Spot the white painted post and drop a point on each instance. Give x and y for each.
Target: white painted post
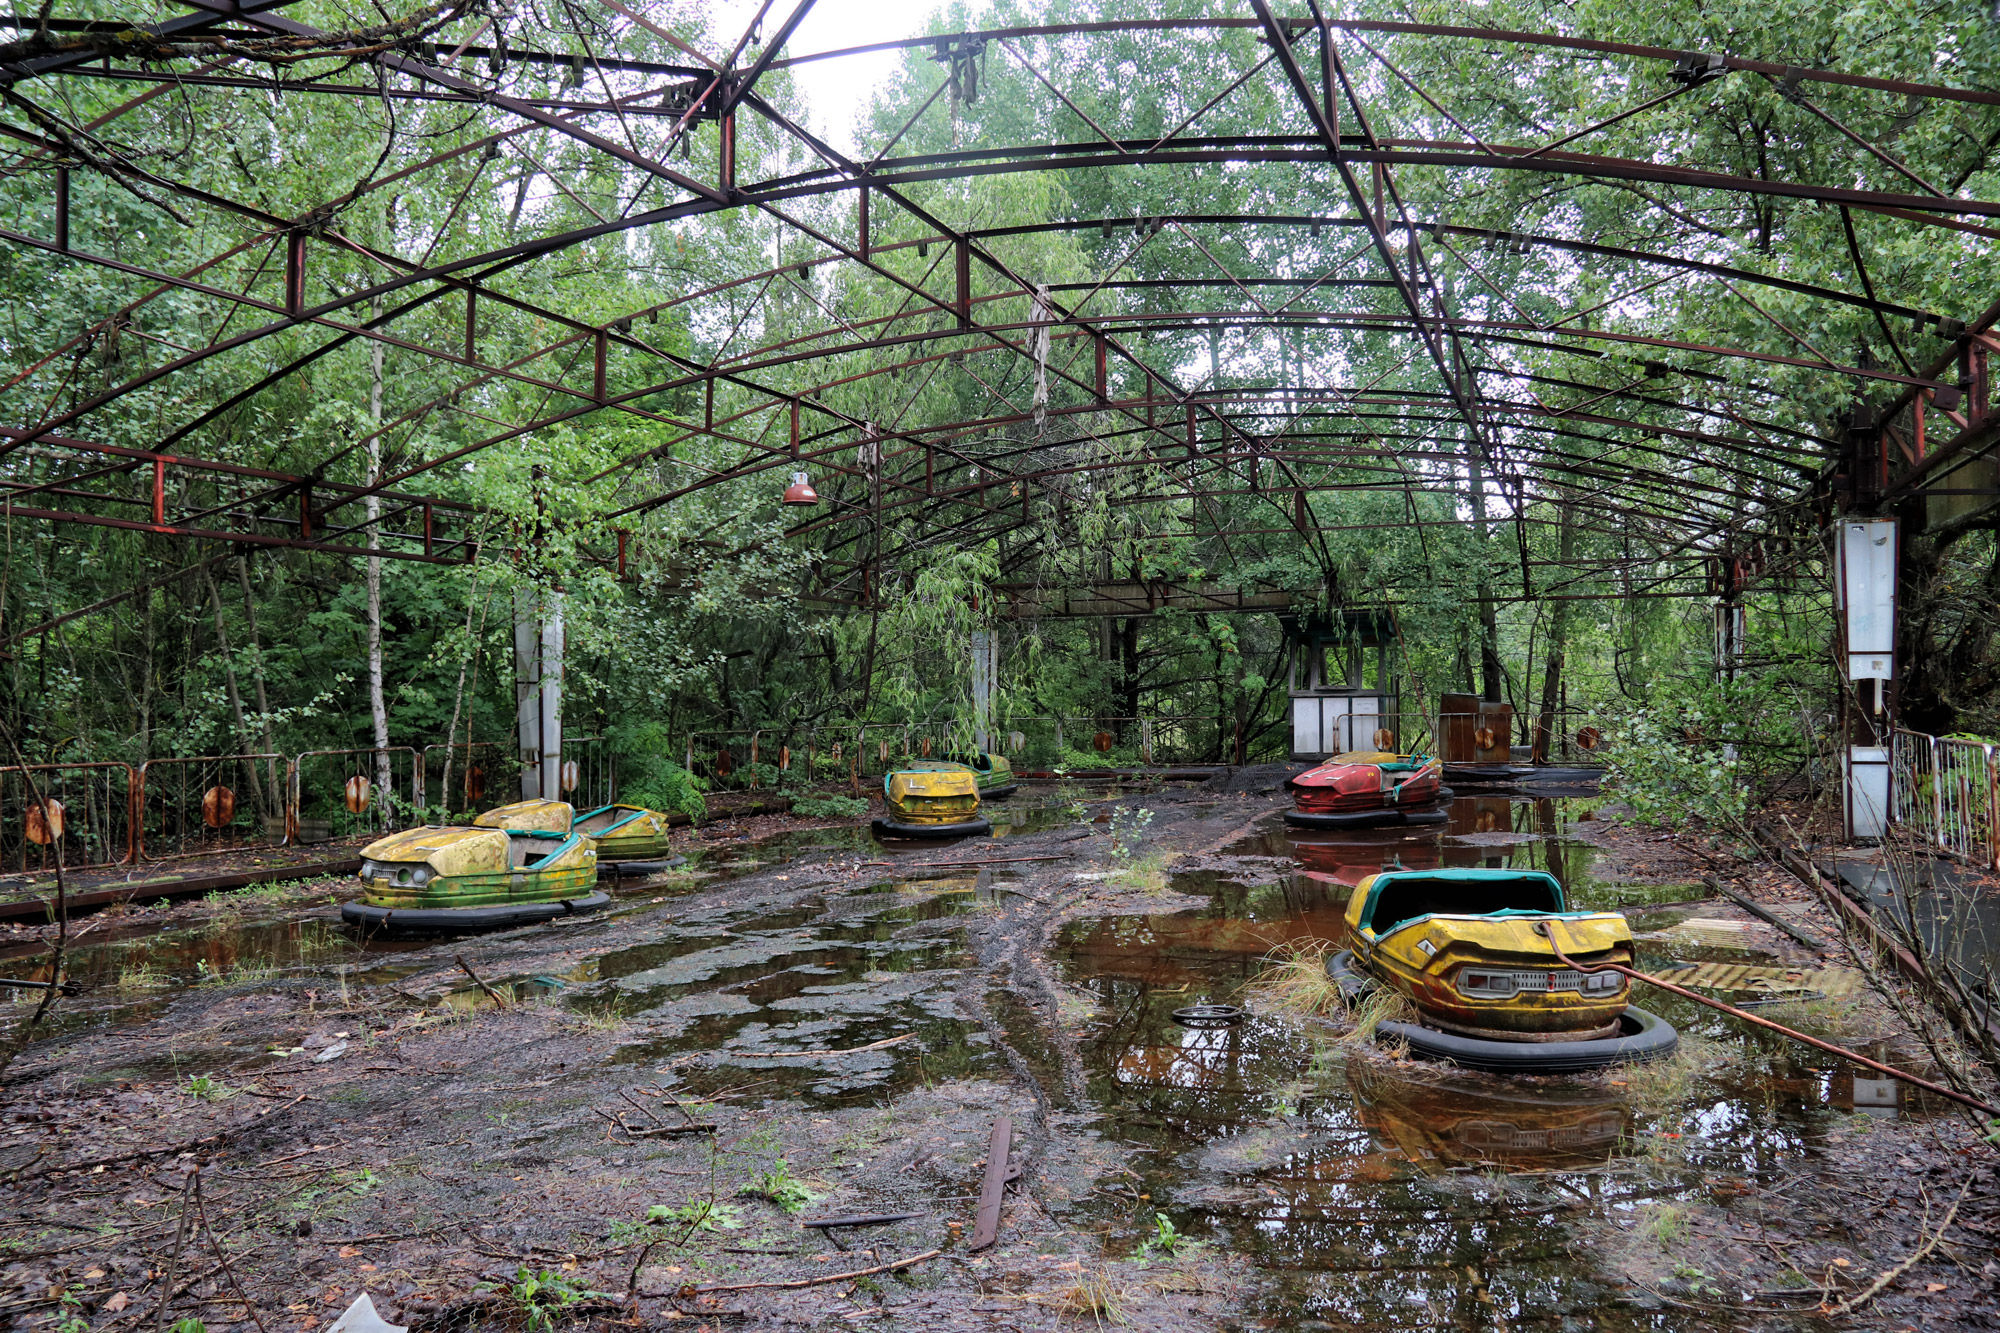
(1865, 599)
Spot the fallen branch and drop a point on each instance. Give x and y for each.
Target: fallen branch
(852, 1050)
(654, 1131)
(1917, 1256)
(491, 994)
(692, 1290)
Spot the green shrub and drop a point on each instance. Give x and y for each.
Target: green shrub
(1669, 766)
(829, 807)
(649, 776)
(780, 1186)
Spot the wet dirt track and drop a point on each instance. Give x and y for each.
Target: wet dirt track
(448, 1141)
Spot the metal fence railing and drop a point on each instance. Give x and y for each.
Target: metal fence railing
(345, 793)
(466, 776)
(84, 811)
(199, 805)
(1946, 790)
(589, 772)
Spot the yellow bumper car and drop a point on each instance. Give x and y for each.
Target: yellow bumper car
(1463, 946)
(931, 801)
(457, 879)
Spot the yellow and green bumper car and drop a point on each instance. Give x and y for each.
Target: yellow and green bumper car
(462, 879)
(1466, 948)
(543, 816)
(939, 800)
(991, 772)
(625, 832)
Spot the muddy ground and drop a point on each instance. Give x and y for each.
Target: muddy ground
(253, 1116)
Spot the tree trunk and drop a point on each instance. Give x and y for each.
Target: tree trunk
(378, 709)
(458, 695)
(147, 674)
(1128, 663)
(1491, 672)
(257, 679)
(1552, 673)
(235, 695)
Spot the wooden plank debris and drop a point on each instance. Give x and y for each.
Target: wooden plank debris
(986, 1225)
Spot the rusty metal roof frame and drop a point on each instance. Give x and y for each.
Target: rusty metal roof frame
(1199, 442)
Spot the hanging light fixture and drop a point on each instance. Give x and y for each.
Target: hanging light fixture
(800, 492)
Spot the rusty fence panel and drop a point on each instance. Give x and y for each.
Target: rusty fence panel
(87, 815)
(589, 776)
(349, 793)
(466, 777)
(196, 806)
(728, 760)
(1913, 786)
(1965, 783)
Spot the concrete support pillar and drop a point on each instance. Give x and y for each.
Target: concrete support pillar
(538, 673)
(985, 651)
(1865, 559)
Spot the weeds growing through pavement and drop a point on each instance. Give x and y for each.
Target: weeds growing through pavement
(1166, 1241)
(780, 1186)
(543, 1297)
(698, 1215)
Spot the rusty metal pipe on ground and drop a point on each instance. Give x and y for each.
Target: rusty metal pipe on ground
(1545, 929)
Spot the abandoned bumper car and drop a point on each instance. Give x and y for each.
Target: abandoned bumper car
(630, 839)
(935, 800)
(459, 879)
(1369, 789)
(1471, 950)
(992, 773)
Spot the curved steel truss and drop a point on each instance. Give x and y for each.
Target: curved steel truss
(1407, 296)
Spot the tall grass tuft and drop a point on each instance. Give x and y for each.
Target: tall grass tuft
(1296, 981)
(1093, 1296)
(1377, 1006)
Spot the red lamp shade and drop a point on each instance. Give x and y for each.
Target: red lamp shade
(800, 492)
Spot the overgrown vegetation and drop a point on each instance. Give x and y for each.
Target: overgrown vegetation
(829, 807)
(699, 614)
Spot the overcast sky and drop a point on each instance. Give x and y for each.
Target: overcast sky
(838, 89)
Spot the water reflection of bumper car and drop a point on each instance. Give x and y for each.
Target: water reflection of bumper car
(1368, 789)
(1463, 1123)
(454, 879)
(1464, 947)
(931, 801)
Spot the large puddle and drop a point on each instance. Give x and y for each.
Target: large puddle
(1367, 1191)
(1398, 1194)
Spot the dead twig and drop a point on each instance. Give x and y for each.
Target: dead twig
(180, 1240)
(222, 1257)
(186, 1146)
(491, 994)
(852, 1050)
(1917, 1256)
(653, 1131)
(803, 1282)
